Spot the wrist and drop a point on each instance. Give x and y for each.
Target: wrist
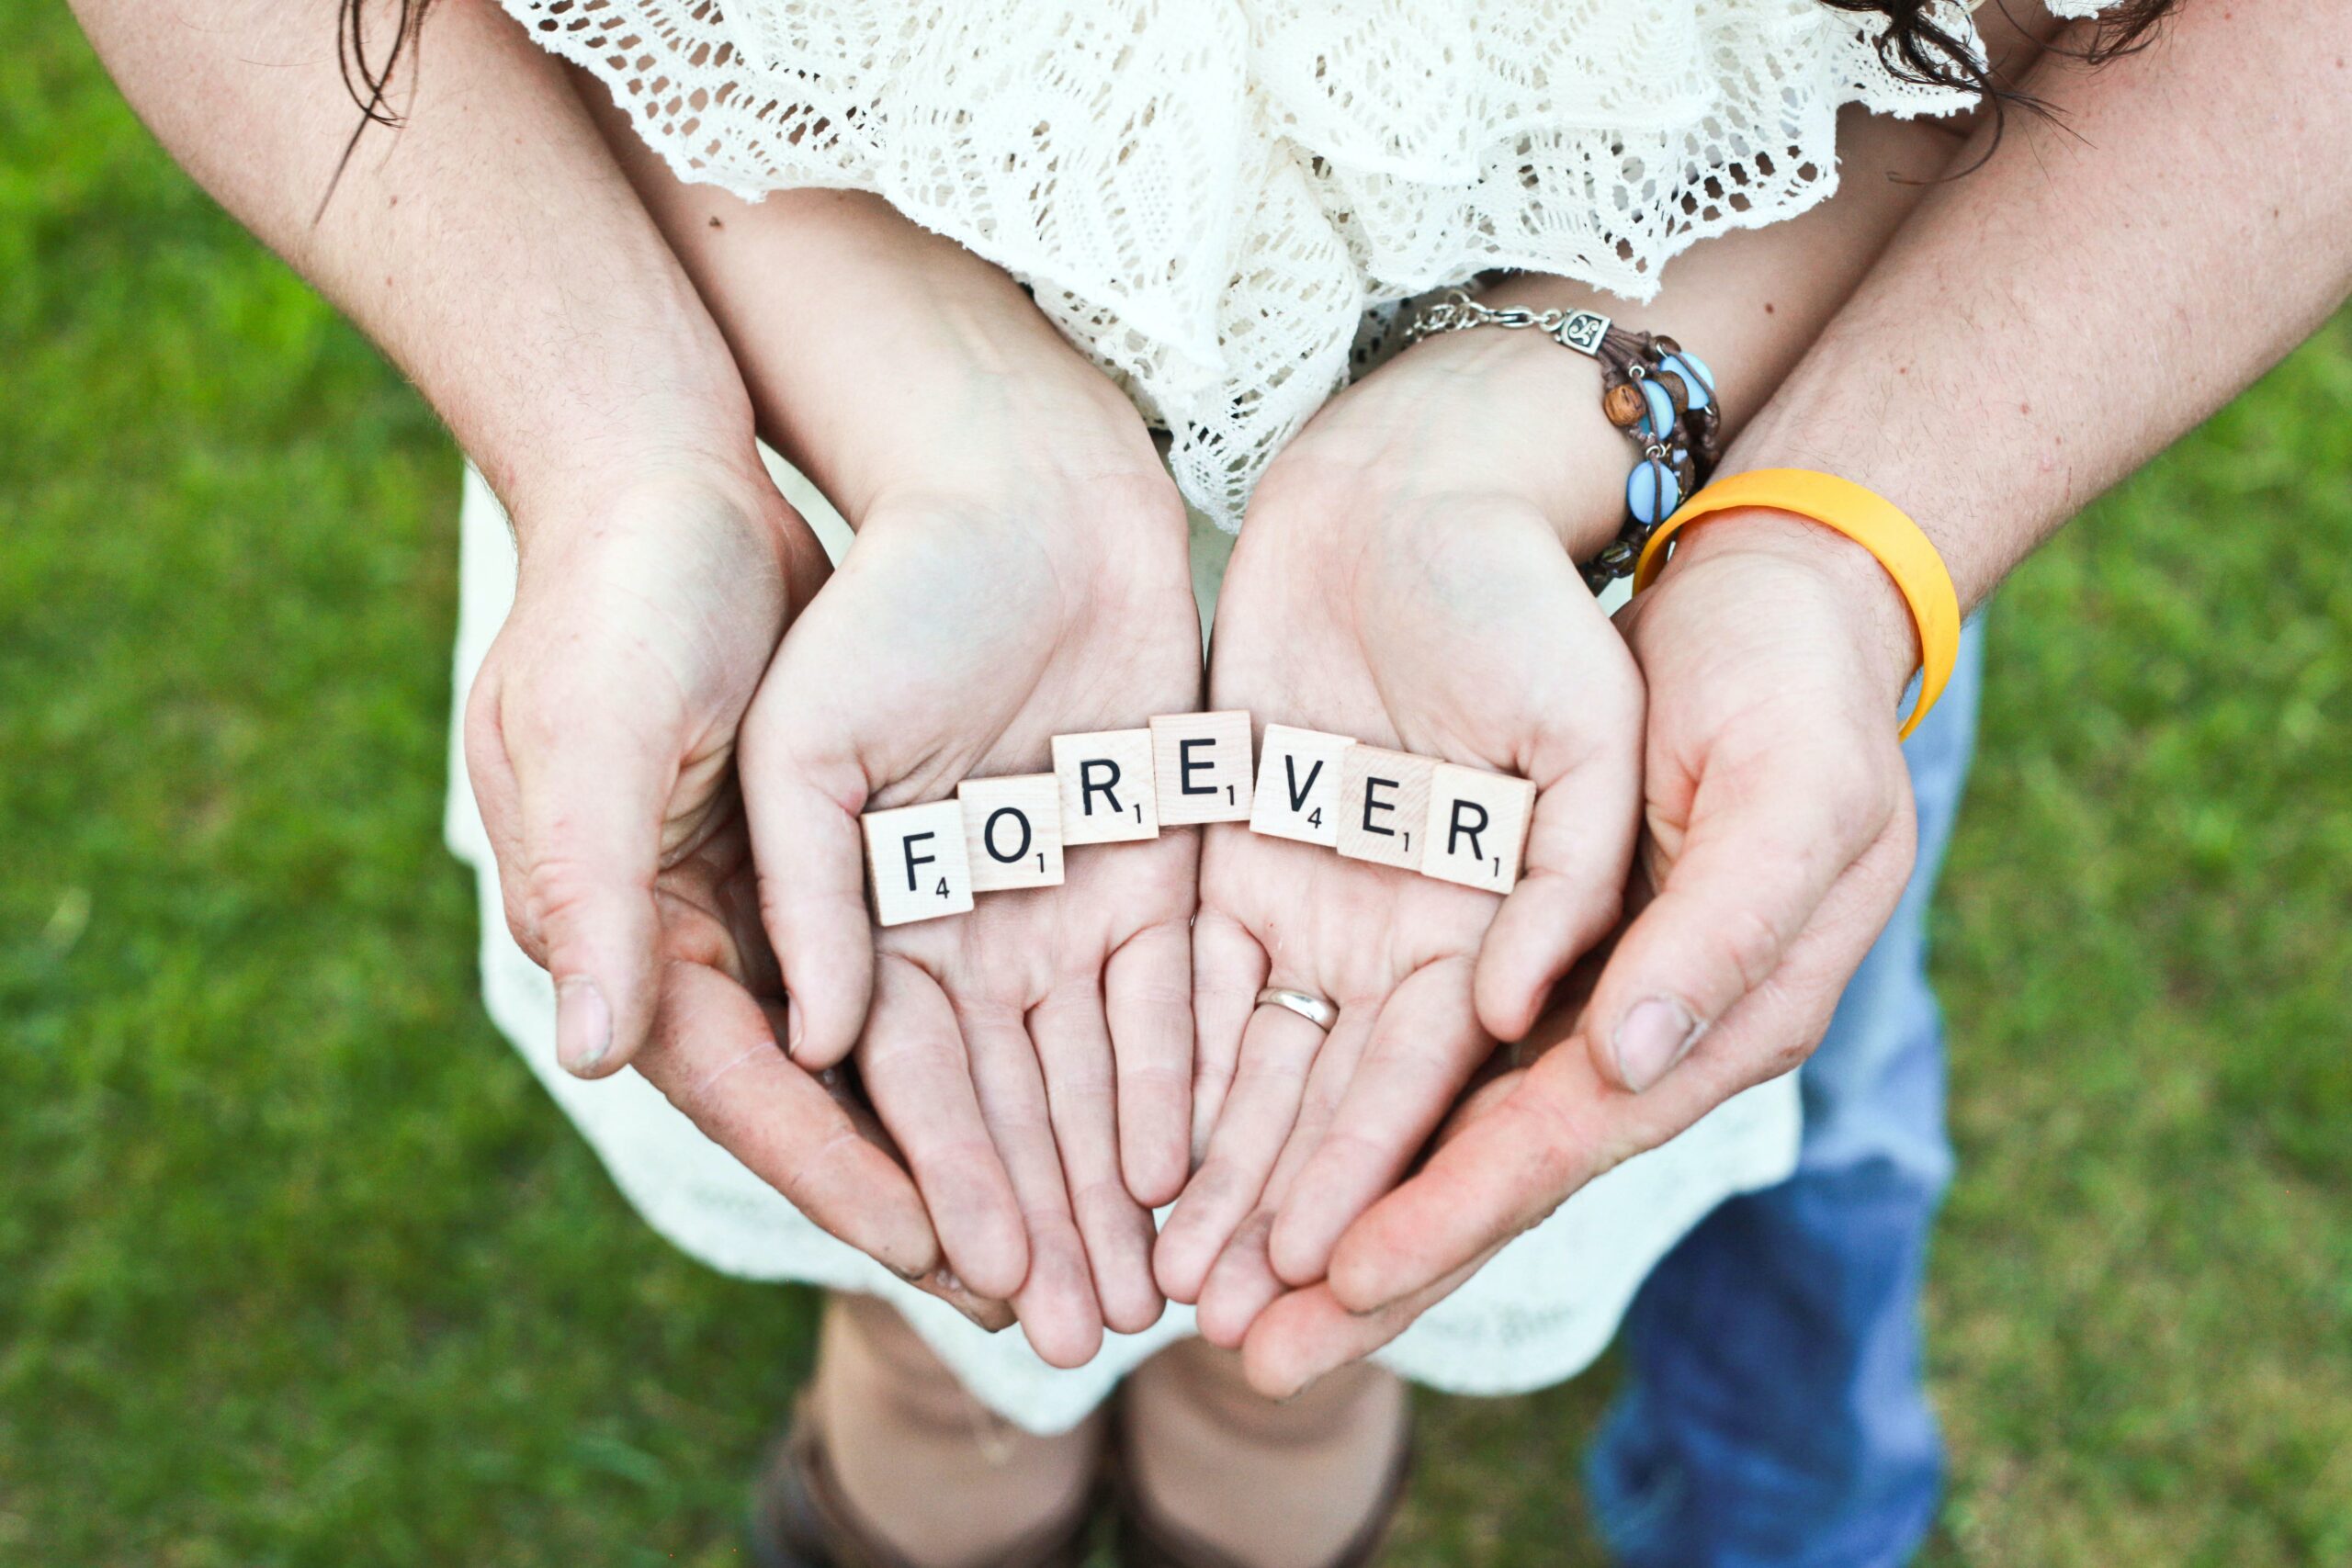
(1874, 616)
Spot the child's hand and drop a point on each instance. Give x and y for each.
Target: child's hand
(1403, 579)
(1020, 572)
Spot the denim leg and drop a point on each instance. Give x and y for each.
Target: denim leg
(1775, 1415)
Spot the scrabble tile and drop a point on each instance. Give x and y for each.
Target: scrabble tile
(1107, 787)
(1384, 806)
(915, 865)
(1012, 832)
(1478, 827)
(1298, 786)
(1201, 764)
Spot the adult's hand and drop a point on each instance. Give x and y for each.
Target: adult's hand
(600, 736)
(1778, 838)
(1406, 580)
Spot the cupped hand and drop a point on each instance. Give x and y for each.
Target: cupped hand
(1779, 835)
(600, 736)
(1405, 578)
(1020, 572)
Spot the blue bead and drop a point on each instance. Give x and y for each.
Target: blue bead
(1658, 422)
(1695, 375)
(1652, 493)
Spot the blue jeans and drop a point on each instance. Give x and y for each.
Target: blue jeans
(1776, 1415)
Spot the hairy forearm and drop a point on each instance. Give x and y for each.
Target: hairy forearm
(490, 246)
(2042, 326)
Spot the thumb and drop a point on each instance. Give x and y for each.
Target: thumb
(811, 858)
(1765, 841)
(581, 783)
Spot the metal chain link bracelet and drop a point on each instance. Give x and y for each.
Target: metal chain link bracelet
(1662, 396)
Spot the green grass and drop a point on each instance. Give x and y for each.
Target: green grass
(298, 1267)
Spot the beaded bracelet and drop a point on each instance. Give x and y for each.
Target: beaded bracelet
(1660, 395)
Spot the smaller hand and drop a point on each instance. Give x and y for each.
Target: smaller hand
(1020, 572)
(1780, 838)
(599, 735)
(1405, 578)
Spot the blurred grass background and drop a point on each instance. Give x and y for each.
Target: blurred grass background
(298, 1267)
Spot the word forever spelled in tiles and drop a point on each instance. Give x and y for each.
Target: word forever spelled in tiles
(1106, 786)
(915, 863)
(1478, 827)
(1298, 786)
(1384, 806)
(1441, 819)
(1012, 832)
(1201, 767)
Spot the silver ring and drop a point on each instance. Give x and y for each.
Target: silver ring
(1313, 1008)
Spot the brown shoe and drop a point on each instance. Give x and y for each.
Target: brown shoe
(800, 1519)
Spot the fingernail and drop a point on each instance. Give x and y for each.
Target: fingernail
(911, 1276)
(1657, 1033)
(584, 1025)
(794, 1030)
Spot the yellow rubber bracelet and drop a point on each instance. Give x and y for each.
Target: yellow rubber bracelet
(1866, 518)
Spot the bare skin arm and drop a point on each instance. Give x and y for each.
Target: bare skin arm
(494, 248)
(2036, 330)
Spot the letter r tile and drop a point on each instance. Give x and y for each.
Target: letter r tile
(1478, 827)
(1106, 786)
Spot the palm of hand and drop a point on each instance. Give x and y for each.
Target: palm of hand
(997, 1043)
(1468, 637)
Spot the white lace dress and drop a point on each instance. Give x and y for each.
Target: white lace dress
(1216, 200)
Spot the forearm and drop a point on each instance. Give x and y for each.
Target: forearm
(2045, 324)
(490, 246)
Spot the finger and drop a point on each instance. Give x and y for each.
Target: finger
(1307, 1332)
(812, 861)
(588, 786)
(1240, 1285)
(1281, 1054)
(715, 1058)
(1762, 850)
(1276, 1051)
(1242, 1282)
(1074, 1051)
(1228, 971)
(1056, 1303)
(1424, 1046)
(1579, 850)
(914, 1061)
(1147, 992)
(1563, 1123)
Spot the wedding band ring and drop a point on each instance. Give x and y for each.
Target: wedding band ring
(1313, 1008)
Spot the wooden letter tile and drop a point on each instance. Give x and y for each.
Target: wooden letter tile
(1384, 806)
(1106, 788)
(1478, 827)
(1012, 832)
(1200, 762)
(914, 863)
(1298, 786)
